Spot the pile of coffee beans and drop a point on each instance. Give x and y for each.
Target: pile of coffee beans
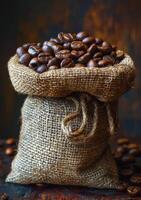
(128, 158)
(69, 50)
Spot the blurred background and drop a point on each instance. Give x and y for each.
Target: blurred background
(22, 21)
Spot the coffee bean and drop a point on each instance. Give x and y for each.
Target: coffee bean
(26, 46)
(53, 61)
(34, 51)
(39, 44)
(134, 191)
(53, 67)
(81, 35)
(122, 141)
(92, 49)
(78, 45)
(25, 59)
(88, 40)
(60, 37)
(55, 40)
(4, 196)
(44, 57)
(105, 49)
(136, 179)
(135, 152)
(92, 64)
(133, 146)
(126, 172)
(103, 63)
(122, 187)
(98, 55)
(41, 69)
(67, 63)
(122, 149)
(109, 58)
(57, 48)
(47, 49)
(118, 156)
(98, 41)
(9, 151)
(77, 54)
(63, 54)
(79, 65)
(97, 59)
(33, 63)
(20, 51)
(67, 37)
(106, 44)
(67, 45)
(119, 55)
(10, 141)
(113, 54)
(85, 58)
(128, 159)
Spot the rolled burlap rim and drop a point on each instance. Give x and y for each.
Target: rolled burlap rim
(106, 84)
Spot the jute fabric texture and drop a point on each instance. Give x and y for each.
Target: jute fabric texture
(68, 118)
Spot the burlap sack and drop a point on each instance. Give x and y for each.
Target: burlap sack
(65, 140)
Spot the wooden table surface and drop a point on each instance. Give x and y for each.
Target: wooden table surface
(51, 192)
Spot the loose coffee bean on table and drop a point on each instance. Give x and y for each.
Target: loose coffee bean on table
(82, 48)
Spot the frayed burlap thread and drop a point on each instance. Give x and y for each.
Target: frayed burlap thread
(46, 155)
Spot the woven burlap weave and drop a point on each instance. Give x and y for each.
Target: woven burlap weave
(45, 155)
(65, 140)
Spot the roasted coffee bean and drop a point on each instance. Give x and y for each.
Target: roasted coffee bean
(67, 45)
(50, 43)
(103, 63)
(98, 55)
(44, 58)
(63, 54)
(105, 44)
(20, 51)
(67, 37)
(119, 55)
(41, 69)
(81, 35)
(109, 58)
(53, 67)
(122, 187)
(53, 61)
(25, 59)
(136, 179)
(4, 196)
(134, 191)
(118, 156)
(122, 149)
(55, 40)
(10, 141)
(92, 64)
(78, 45)
(128, 159)
(122, 141)
(77, 54)
(33, 63)
(92, 49)
(88, 40)
(105, 49)
(57, 48)
(126, 172)
(133, 146)
(135, 152)
(26, 46)
(67, 63)
(98, 41)
(39, 44)
(47, 49)
(113, 54)
(9, 151)
(97, 59)
(34, 51)
(60, 37)
(85, 58)
(79, 65)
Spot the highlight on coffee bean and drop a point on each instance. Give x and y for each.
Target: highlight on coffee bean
(69, 50)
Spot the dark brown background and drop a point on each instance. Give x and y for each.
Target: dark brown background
(21, 21)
